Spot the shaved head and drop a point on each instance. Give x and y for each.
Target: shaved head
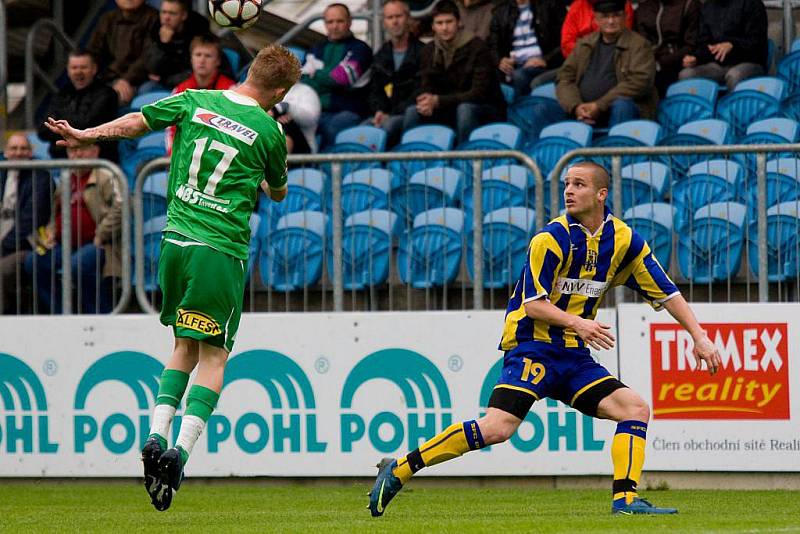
(599, 173)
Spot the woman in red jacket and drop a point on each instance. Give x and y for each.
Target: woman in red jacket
(580, 22)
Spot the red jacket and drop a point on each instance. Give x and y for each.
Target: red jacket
(580, 22)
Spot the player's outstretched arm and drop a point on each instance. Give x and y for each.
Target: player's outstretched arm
(127, 126)
(704, 349)
(594, 333)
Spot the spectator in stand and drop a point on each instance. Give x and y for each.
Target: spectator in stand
(206, 58)
(525, 40)
(610, 76)
(337, 70)
(96, 224)
(24, 207)
(476, 16)
(299, 114)
(459, 82)
(395, 72)
(84, 101)
(580, 22)
(120, 42)
(671, 26)
(168, 59)
(731, 43)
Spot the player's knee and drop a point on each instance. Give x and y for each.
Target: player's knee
(497, 429)
(638, 410)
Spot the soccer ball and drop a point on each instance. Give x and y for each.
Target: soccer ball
(234, 14)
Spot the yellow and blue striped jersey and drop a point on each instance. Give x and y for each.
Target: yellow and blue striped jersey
(574, 269)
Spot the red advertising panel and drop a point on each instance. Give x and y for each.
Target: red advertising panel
(752, 384)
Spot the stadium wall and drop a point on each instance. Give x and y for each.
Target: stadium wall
(327, 394)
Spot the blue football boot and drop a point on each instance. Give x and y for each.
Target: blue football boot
(638, 506)
(386, 487)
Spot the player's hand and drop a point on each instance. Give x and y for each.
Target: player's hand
(506, 66)
(595, 334)
(705, 350)
(72, 137)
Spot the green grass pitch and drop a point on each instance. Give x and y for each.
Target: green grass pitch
(252, 506)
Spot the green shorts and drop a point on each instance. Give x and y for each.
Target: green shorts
(202, 289)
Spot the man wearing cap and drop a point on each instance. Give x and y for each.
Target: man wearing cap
(610, 76)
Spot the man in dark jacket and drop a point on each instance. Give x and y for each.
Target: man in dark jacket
(85, 101)
(168, 61)
(731, 44)
(120, 42)
(338, 70)
(459, 81)
(609, 77)
(395, 72)
(25, 206)
(534, 47)
(671, 26)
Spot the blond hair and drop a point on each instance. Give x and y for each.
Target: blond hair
(274, 67)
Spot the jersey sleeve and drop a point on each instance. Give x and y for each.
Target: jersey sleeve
(646, 276)
(541, 267)
(165, 112)
(275, 173)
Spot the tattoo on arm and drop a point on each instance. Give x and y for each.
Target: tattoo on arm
(127, 126)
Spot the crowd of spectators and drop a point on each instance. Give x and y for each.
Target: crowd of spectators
(610, 63)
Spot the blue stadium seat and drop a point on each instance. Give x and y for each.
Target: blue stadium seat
(438, 187)
(506, 235)
(430, 254)
(369, 136)
(700, 132)
(147, 98)
(41, 148)
(783, 184)
(366, 248)
(502, 186)
(292, 255)
(751, 99)
(152, 250)
(255, 243)
(771, 131)
(299, 53)
(425, 138)
(534, 112)
(653, 221)
(715, 180)
(504, 133)
(711, 251)
(789, 70)
(441, 137)
(306, 193)
(628, 134)
(795, 46)
(234, 60)
(509, 95)
(783, 229)
(556, 140)
(687, 100)
(643, 182)
(154, 195)
(367, 189)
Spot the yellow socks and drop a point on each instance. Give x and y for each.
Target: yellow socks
(452, 443)
(627, 453)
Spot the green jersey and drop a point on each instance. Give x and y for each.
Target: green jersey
(225, 145)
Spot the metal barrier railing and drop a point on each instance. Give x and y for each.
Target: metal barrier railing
(64, 166)
(668, 153)
(474, 166)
